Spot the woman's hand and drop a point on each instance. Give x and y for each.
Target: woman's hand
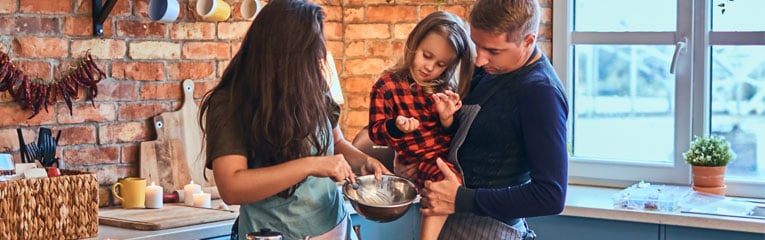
(374, 166)
(334, 167)
(407, 124)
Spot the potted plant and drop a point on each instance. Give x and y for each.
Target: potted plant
(708, 157)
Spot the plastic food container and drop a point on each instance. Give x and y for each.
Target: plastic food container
(645, 196)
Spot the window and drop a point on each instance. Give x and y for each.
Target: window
(643, 77)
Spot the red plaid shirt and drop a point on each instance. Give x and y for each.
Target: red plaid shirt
(392, 97)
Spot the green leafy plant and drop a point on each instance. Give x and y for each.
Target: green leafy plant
(710, 151)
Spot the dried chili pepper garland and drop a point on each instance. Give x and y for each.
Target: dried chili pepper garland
(37, 94)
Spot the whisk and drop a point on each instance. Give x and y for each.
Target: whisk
(374, 195)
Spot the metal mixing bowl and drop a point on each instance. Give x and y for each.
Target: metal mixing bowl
(401, 191)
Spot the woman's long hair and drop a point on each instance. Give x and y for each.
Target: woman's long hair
(275, 87)
(456, 32)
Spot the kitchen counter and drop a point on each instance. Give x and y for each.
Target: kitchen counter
(582, 201)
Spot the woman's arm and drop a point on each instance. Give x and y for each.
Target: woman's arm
(239, 185)
(358, 160)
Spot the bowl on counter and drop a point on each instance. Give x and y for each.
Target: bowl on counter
(381, 200)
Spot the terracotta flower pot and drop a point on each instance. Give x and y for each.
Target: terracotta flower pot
(712, 190)
(708, 176)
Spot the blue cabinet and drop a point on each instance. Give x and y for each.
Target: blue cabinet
(574, 228)
(405, 228)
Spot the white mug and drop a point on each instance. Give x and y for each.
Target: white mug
(164, 10)
(6, 164)
(250, 8)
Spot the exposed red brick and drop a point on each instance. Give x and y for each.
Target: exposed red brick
(202, 87)
(85, 112)
(100, 48)
(108, 174)
(8, 6)
(113, 90)
(391, 13)
(45, 6)
(365, 66)
(34, 47)
(90, 155)
(141, 71)
(161, 91)
(83, 26)
(221, 68)
(76, 135)
(358, 118)
(232, 30)
(192, 30)
(140, 29)
(154, 50)
(354, 14)
(333, 13)
(402, 30)
(13, 115)
(333, 31)
(141, 110)
(190, 70)
(380, 48)
(206, 50)
(130, 153)
(24, 26)
(358, 100)
(359, 84)
(123, 132)
(34, 69)
(367, 31)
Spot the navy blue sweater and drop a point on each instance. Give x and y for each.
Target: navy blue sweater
(514, 158)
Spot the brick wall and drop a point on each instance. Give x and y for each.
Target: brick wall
(146, 61)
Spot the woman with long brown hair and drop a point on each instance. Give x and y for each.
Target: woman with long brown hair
(271, 129)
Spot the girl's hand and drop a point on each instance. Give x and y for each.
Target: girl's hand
(447, 103)
(334, 167)
(406, 124)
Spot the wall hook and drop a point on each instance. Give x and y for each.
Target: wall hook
(100, 12)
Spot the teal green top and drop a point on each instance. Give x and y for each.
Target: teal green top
(316, 205)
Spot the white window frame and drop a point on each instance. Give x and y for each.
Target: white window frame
(692, 91)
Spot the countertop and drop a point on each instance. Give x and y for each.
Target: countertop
(582, 201)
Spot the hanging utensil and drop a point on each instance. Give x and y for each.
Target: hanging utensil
(22, 147)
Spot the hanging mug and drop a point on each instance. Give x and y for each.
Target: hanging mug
(131, 191)
(250, 8)
(164, 10)
(215, 10)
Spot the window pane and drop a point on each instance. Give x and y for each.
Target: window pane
(624, 16)
(739, 15)
(738, 106)
(623, 103)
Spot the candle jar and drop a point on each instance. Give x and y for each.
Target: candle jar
(188, 191)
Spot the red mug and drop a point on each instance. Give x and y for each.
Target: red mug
(53, 171)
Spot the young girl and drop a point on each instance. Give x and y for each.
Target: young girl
(413, 103)
(271, 130)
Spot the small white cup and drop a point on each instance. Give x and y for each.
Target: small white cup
(6, 164)
(250, 8)
(163, 10)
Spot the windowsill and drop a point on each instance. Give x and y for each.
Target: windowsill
(595, 202)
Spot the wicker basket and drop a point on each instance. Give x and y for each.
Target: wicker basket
(63, 207)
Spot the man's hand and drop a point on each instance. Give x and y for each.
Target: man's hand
(406, 124)
(438, 197)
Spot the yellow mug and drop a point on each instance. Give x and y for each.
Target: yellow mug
(215, 10)
(132, 192)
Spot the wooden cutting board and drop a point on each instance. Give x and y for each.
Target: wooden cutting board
(176, 158)
(170, 216)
